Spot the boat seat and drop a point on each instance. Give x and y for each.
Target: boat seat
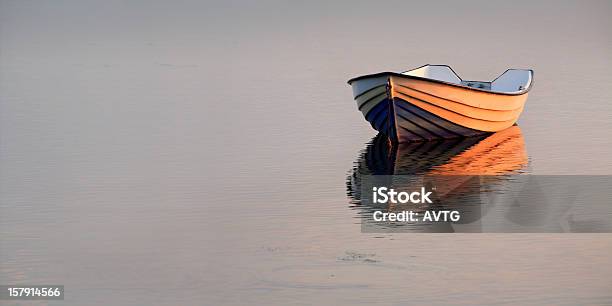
(477, 84)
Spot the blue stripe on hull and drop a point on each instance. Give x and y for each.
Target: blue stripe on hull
(382, 118)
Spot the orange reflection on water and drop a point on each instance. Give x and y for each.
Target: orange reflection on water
(501, 153)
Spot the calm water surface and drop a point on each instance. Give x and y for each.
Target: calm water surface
(162, 154)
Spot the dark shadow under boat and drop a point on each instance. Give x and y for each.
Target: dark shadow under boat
(470, 171)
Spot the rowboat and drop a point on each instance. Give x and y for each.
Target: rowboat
(433, 102)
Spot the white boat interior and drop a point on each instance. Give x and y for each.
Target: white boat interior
(511, 81)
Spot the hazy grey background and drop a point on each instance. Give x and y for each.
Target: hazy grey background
(191, 153)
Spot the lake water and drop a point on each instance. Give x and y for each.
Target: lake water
(164, 154)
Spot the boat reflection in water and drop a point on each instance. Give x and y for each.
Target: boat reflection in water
(469, 174)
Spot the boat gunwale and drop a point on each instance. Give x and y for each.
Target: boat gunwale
(397, 74)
